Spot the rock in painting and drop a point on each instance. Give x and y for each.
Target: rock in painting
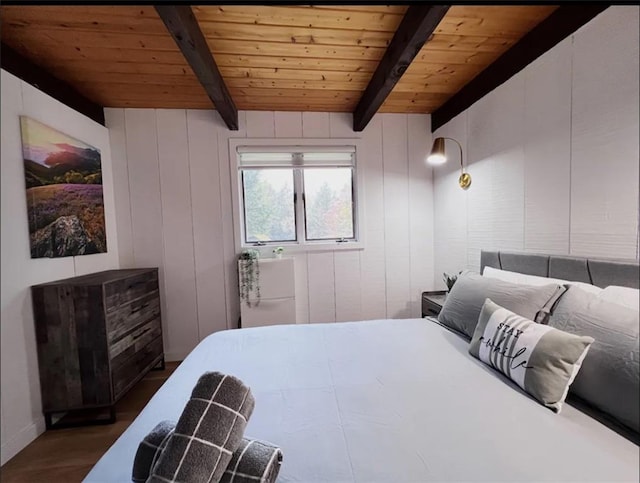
(62, 238)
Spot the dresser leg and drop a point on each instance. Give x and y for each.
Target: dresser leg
(80, 417)
(160, 366)
(47, 421)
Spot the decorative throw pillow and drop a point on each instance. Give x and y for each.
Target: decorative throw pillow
(253, 461)
(542, 360)
(464, 302)
(610, 375)
(208, 431)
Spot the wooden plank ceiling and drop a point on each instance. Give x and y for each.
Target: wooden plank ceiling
(310, 58)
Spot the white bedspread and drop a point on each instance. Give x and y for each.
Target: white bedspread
(385, 401)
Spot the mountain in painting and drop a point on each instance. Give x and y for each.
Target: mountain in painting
(73, 157)
(72, 164)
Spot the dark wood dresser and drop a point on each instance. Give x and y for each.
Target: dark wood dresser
(97, 335)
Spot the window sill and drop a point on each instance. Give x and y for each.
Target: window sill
(267, 251)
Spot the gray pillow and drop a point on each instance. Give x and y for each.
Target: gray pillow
(464, 302)
(542, 360)
(610, 376)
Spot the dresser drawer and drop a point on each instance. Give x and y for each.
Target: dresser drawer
(126, 373)
(119, 292)
(432, 302)
(269, 312)
(134, 341)
(129, 316)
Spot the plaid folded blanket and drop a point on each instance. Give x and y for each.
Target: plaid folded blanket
(150, 449)
(252, 462)
(208, 431)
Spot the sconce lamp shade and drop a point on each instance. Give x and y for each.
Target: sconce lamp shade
(437, 155)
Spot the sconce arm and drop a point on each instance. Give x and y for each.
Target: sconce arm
(460, 148)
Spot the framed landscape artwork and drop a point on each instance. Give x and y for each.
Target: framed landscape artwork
(65, 206)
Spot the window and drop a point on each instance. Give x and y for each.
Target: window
(297, 196)
(269, 212)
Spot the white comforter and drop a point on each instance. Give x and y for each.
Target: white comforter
(385, 401)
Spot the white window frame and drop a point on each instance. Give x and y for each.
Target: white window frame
(301, 245)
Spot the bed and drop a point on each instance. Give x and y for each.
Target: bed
(391, 401)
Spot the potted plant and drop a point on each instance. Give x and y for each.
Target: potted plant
(449, 280)
(277, 252)
(249, 276)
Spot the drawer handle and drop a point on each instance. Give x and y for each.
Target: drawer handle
(135, 284)
(141, 334)
(143, 306)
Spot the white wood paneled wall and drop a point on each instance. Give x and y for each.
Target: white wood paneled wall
(604, 141)
(547, 151)
(450, 204)
(553, 153)
(21, 407)
(495, 161)
(396, 219)
(175, 212)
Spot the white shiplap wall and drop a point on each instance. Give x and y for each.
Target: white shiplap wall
(173, 180)
(553, 153)
(21, 406)
(604, 135)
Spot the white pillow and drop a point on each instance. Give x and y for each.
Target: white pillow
(625, 296)
(524, 279)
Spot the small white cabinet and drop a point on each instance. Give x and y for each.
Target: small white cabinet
(277, 295)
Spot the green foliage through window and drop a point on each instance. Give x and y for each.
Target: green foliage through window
(270, 205)
(329, 206)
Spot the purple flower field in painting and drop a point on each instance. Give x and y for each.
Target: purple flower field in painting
(46, 204)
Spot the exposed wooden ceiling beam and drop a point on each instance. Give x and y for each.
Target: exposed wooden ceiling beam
(414, 30)
(15, 63)
(184, 28)
(555, 28)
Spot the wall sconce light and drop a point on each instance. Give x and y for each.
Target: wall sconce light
(437, 156)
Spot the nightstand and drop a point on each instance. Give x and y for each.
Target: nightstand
(432, 302)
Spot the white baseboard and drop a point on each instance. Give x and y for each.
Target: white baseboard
(18, 442)
(175, 356)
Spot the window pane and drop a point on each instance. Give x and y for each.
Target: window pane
(329, 203)
(268, 205)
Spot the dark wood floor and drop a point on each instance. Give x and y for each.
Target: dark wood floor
(67, 455)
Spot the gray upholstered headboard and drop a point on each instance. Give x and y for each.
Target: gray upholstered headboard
(600, 272)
